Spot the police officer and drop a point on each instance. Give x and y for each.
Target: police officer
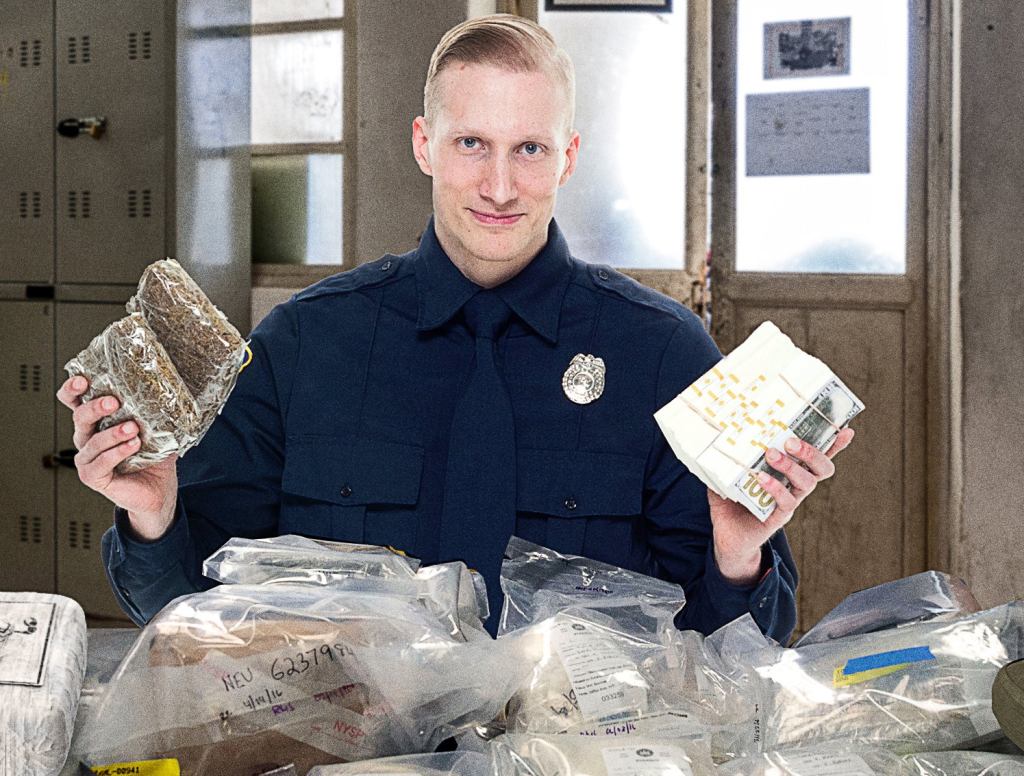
(486, 383)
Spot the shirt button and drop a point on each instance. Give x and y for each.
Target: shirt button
(345, 491)
(763, 604)
(570, 504)
(603, 274)
(385, 266)
(126, 593)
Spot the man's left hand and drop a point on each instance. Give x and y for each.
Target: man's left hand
(738, 535)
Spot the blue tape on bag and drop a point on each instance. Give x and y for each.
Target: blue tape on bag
(885, 659)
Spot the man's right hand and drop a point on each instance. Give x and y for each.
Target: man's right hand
(149, 495)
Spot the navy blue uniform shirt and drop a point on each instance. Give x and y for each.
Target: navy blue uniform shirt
(338, 429)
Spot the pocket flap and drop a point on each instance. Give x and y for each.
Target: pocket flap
(570, 483)
(351, 469)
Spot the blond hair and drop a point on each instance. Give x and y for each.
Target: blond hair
(502, 40)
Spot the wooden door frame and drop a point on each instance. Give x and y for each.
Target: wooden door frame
(930, 486)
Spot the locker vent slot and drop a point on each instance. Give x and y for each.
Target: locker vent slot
(30, 206)
(79, 50)
(137, 198)
(80, 536)
(37, 378)
(140, 45)
(79, 204)
(36, 48)
(30, 378)
(30, 529)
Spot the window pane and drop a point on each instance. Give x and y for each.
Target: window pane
(296, 87)
(264, 11)
(626, 203)
(297, 209)
(821, 183)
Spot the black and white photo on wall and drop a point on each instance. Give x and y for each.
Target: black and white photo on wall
(658, 6)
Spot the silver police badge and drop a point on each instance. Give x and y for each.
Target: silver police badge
(583, 381)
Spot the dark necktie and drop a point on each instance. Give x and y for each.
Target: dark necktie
(479, 511)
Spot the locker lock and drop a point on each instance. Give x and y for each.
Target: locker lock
(93, 126)
(61, 458)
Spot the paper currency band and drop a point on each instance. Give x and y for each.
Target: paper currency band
(810, 404)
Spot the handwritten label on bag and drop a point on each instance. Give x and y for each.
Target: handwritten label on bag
(603, 678)
(828, 764)
(661, 760)
(24, 640)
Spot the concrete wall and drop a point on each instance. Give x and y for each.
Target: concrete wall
(989, 554)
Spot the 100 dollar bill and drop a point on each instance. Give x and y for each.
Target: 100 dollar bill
(831, 408)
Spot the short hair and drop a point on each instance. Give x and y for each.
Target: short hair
(503, 40)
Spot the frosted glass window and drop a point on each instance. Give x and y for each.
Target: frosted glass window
(297, 209)
(269, 11)
(296, 87)
(626, 203)
(851, 222)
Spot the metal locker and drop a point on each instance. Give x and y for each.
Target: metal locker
(112, 120)
(26, 416)
(26, 126)
(82, 514)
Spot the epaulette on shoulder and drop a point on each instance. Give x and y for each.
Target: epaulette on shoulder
(608, 279)
(375, 273)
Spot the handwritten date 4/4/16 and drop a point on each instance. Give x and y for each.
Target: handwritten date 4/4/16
(324, 654)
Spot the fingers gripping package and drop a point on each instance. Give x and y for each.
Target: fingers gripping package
(923, 686)
(764, 392)
(42, 663)
(171, 362)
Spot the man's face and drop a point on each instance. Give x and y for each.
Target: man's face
(497, 149)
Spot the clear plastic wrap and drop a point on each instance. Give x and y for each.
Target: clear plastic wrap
(569, 755)
(172, 362)
(448, 590)
(439, 764)
(538, 583)
(127, 361)
(250, 677)
(206, 349)
(42, 663)
(923, 686)
(834, 760)
(589, 676)
(925, 596)
(964, 764)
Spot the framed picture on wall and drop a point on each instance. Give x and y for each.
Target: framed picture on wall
(808, 48)
(660, 6)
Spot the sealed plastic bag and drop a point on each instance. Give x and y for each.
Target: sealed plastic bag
(172, 362)
(42, 662)
(929, 595)
(439, 764)
(127, 361)
(206, 349)
(589, 676)
(449, 590)
(923, 686)
(571, 755)
(538, 583)
(965, 764)
(240, 678)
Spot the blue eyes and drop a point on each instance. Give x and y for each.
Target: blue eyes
(472, 144)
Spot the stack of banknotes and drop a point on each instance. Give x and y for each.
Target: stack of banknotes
(763, 393)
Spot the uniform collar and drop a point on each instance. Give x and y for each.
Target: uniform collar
(535, 294)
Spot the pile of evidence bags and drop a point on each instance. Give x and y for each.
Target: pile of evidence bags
(246, 677)
(869, 761)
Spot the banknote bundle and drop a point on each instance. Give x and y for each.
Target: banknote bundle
(765, 392)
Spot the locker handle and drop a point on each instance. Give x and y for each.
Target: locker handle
(61, 458)
(93, 126)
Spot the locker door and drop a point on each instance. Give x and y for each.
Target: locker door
(111, 63)
(26, 126)
(26, 415)
(82, 514)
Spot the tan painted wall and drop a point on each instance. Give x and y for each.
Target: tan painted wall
(989, 554)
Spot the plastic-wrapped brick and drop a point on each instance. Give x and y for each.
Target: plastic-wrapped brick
(42, 662)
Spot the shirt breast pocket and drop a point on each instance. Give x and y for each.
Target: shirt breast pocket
(331, 483)
(581, 503)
